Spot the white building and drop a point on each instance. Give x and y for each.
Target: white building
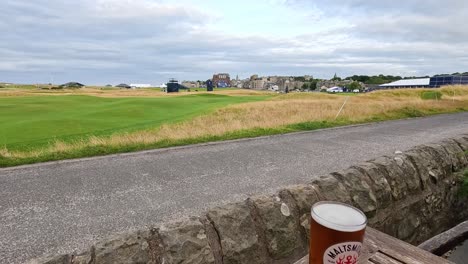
(408, 83)
(140, 85)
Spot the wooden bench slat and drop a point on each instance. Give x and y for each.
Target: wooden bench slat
(380, 258)
(380, 248)
(401, 250)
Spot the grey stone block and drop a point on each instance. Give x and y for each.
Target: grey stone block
(359, 187)
(85, 257)
(429, 172)
(239, 239)
(186, 242)
(379, 183)
(124, 249)
(395, 177)
(331, 189)
(280, 226)
(456, 155)
(439, 158)
(304, 197)
(462, 142)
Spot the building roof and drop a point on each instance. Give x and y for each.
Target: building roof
(72, 84)
(123, 85)
(408, 82)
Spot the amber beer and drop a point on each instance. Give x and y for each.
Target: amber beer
(336, 233)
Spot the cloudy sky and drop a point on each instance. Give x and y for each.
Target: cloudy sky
(149, 41)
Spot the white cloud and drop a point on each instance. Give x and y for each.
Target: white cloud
(149, 41)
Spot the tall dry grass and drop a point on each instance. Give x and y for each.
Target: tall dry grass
(280, 111)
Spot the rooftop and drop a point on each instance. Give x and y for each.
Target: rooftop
(409, 82)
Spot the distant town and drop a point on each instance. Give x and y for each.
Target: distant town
(305, 83)
(308, 83)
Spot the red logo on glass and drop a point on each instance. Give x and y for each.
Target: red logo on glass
(344, 253)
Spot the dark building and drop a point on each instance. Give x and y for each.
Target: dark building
(433, 82)
(123, 85)
(172, 86)
(222, 80)
(438, 81)
(209, 86)
(72, 85)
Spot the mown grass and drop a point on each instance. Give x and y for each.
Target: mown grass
(280, 114)
(29, 123)
(431, 95)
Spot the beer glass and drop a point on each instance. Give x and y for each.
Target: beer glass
(336, 233)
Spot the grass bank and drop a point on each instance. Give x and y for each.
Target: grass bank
(280, 114)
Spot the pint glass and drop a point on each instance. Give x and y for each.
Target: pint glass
(336, 233)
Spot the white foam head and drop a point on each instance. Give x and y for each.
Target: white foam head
(339, 216)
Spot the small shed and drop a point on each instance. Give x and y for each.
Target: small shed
(74, 85)
(123, 85)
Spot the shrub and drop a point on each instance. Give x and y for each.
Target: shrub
(431, 95)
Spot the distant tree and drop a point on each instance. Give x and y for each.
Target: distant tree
(377, 79)
(313, 85)
(354, 85)
(305, 86)
(359, 78)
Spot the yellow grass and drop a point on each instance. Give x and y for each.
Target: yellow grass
(94, 91)
(280, 111)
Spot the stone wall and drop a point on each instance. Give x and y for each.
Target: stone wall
(411, 195)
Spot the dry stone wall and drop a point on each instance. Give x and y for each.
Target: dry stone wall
(411, 195)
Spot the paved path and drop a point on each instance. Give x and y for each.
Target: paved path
(63, 206)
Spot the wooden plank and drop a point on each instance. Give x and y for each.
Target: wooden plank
(382, 247)
(442, 243)
(380, 258)
(304, 260)
(401, 250)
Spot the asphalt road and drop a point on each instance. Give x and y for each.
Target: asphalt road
(59, 207)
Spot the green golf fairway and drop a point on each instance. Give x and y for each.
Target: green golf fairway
(27, 123)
